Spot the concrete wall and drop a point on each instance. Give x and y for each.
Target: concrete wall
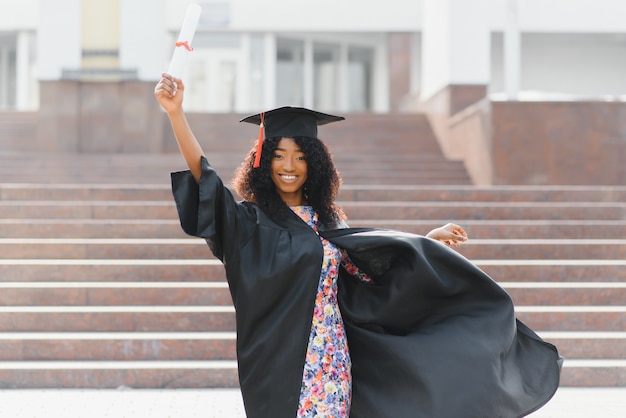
(19, 15)
(559, 142)
(541, 143)
(103, 117)
(569, 16)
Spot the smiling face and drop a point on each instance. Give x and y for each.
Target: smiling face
(289, 172)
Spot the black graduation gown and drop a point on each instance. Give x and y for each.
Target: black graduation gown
(435, 337)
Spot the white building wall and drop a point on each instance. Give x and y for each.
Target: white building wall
(562, 65)
(19, 15)
(58, 37)
(435, 47)
(576, 16)
(570, 46)
(292, 15)
(455, 44)
(582, 65)
(142, 45)
(470, 46)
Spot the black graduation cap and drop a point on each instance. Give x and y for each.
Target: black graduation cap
(288, 122)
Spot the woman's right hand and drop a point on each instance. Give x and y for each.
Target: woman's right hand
(169, 93)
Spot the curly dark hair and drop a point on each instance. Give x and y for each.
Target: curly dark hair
(320, 189)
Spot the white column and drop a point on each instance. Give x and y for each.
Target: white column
(512, 51)
(143, 37)
(307, 63)
(23, 71)
(344, 85)
(416, 62)
(455, 44)
(381, 75)
(435, 46)
(269, 62)
(242, 86)
(58, 37)
(4, 77)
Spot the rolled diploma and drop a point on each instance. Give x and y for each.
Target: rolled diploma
(190, 23)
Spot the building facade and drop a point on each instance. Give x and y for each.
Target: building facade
(341, 55)
(506, 85)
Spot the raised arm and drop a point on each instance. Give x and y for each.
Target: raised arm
(169, 93)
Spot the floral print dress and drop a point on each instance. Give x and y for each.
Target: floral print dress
(327, 380)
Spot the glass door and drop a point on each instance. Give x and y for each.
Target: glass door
(7, 72)
(213, 81)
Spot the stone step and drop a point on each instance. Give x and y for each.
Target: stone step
(107, 192)
(413, 178)
(372, 132)
(506, 229)
(149, 346)
(588, 345)
(217, 293)
(114, 294)
(486, 210)
(443, 171)
(188, 248)
(222, 318)
(34, 270)
(566, 294)
(117, 346)
(91, 228)
(174, 374)
(348, 192)
(544, 249)
(555, 270)
(116, 318)
(357, 192)
(173, 160)
(217, 374)
(120, 270)
(170, 228)
(574, 318)
(590, 373)
(19, 209)
(103, 248)
(408, 163)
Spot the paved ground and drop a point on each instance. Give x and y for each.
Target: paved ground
(130, 403)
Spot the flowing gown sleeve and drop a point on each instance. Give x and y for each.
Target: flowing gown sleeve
(436, 336)
(208, 210)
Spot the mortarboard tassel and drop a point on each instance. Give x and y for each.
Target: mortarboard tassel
(257, 158)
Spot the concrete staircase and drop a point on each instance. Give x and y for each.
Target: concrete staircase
(368, 148)
(99, 287)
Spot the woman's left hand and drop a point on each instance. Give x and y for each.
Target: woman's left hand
(450, 234)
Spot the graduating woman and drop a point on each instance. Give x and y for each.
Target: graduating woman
(349, 322)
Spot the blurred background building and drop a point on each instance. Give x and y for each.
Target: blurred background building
(69, 58)
(335, 55)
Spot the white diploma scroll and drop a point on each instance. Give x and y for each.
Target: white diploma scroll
(183, 45)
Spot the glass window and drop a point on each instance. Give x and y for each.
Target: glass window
(226, 87)
(8, 76)
(360, 65)
(289, 72)
(257, 72)
(326, 76)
